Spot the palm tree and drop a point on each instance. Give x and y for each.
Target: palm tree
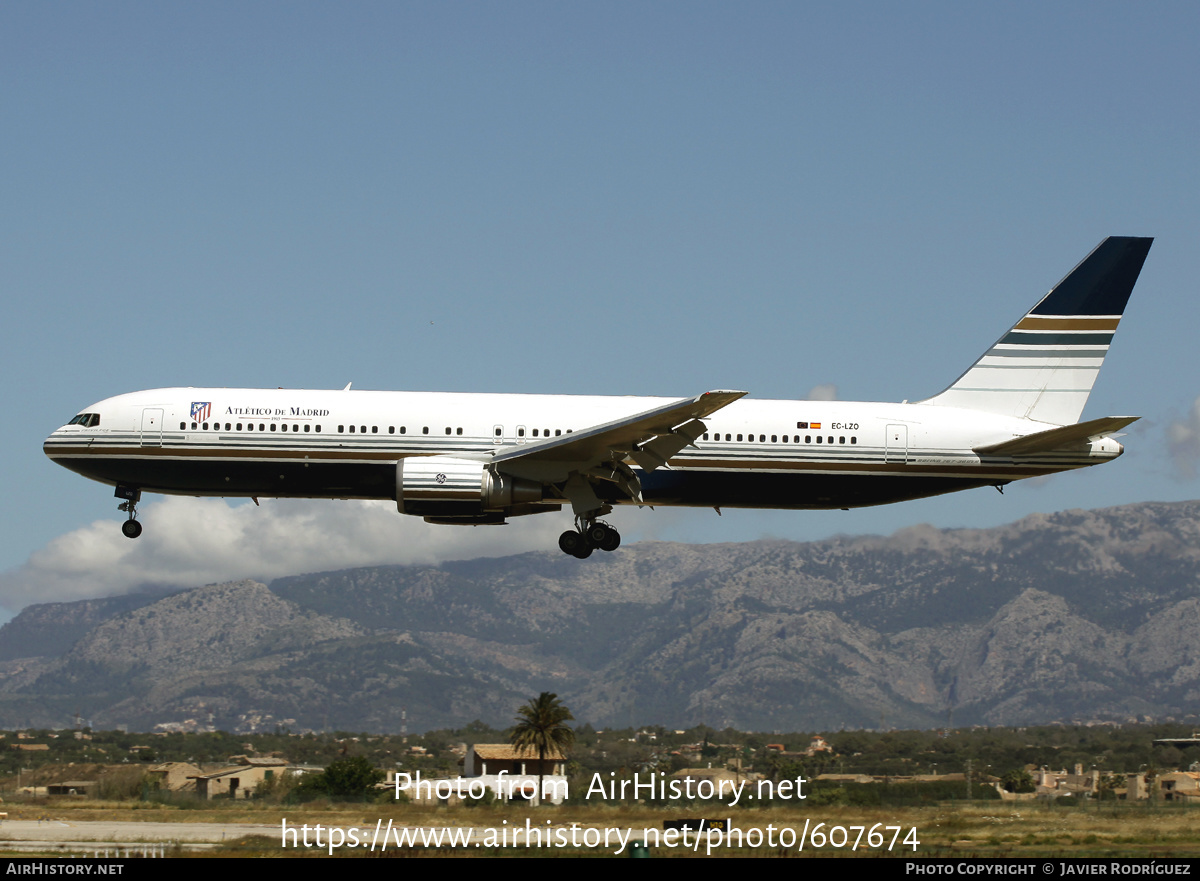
(541, 725)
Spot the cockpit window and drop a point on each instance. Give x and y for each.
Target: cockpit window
(87, 420)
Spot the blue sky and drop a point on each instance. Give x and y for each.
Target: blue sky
(617, 198)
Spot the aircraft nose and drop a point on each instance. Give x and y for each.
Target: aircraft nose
(52, 442)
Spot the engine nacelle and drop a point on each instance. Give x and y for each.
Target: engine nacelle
(445, 486)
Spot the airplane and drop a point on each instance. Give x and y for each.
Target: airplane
(485, 458)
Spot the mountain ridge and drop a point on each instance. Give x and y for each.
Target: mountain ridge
(1068, 615)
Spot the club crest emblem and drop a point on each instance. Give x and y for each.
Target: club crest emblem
(201, 410)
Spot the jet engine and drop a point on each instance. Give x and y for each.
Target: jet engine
(449, 489)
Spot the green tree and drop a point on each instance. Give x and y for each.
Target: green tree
(352, 778)
(1108, 786)
(344, 779)
(1018, 780)
(541, 725)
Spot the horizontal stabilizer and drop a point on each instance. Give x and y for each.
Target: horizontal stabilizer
(1057, 438)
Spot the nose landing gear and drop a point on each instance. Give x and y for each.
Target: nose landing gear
(131, 528)
(588, 536)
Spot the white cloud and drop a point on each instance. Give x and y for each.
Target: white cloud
(189, 542)
(826, 391)
(1183, 441)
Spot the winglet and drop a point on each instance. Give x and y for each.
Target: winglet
(711, 402)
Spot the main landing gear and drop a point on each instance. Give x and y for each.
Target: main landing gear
(588, 536)
(131, 528)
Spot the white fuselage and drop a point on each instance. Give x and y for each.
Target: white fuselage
(345, 444)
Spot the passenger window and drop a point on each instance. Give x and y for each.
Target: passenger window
(403, 429)
(831, 438)
(341, 428)
(739, 437)
(841, 440)
(819, 438)
(374, 429)
(206, 426)
(391, 429)
(363, 429)
(762, 438)
(460, 431)
(520, 432)
(239, 428)
(726, 436)
(853, 440)
(425, 429)
(497, 431)
(262, 427)
(307, 427)
(773, 440)
(447, 429)
(193, 426)
(352, 429)
(273, 426)
(558, 432)
(535, 432)
(182, 426)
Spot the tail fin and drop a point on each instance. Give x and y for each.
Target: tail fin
(1045, 366)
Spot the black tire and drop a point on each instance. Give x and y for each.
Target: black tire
(612, 541)
(597, 533)
(585, 550)
(131, 529)
(570, 542)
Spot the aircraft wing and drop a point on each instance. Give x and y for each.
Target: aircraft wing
(649, 438)
(1057, 438)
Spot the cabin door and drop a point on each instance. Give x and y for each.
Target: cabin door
(152, 419)
(897, 444)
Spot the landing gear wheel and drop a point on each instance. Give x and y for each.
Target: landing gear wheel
(585, 550)
(570, 542)
(596, 534)
(132, 495)
(603, 536)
